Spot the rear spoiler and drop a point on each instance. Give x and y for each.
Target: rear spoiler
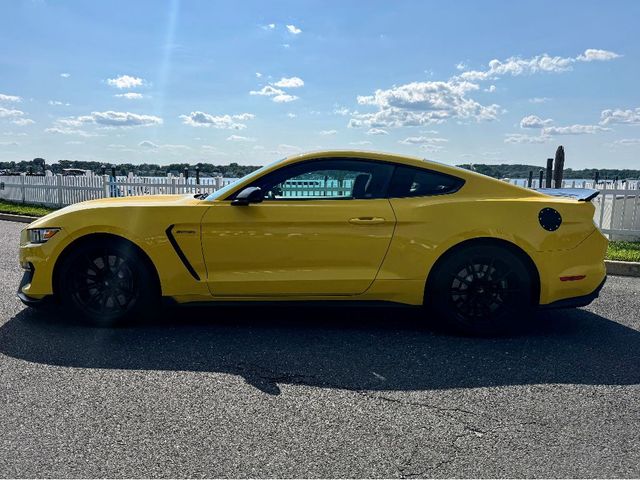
(580, 194)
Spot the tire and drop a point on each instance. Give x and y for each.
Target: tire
(106, 282)
(481, 290)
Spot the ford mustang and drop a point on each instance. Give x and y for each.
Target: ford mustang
(339, 226)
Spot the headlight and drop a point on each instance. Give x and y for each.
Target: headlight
(41, 235)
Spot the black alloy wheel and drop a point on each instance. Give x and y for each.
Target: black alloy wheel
(481, 290)
(106, 282)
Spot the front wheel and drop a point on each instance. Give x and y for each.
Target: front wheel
(481, 290)
(106, 282)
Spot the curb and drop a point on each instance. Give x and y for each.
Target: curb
(626, 269)
(10, 217)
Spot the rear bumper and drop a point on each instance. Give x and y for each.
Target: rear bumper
(572, 277)
(581, 301)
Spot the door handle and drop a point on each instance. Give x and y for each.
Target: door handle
(367, 220)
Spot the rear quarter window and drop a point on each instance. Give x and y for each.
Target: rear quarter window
(417, 182)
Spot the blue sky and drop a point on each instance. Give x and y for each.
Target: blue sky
(250, 82)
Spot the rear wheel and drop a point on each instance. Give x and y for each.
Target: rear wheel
(106, 282)
(481, 290)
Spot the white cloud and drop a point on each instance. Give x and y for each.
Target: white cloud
(292, 82)
(62, 130)
(21, 122)
(65, 75)
(423, 140)
(129, 95)
(631, 116)
(74, 142)
(539, 100)
(10, 98)
(277, 94)
(258, 75)
(574, 130)
(243, 116)
(285, 45)
(147, 144)
(327, 133)
(109, 119)
(293, 29)
(422, 103)
(58, 103)
(516, 66)
(592, 54)
(239, 138)
(15, 116)
(291, 115)
(431, 148)
(284, 98)
(267, 91)
(521, 138)
(9, 144)
(121, 119)
(361, 143)
(342, 111)
(377, 131)
(126, 81)
(461, 66)
(284, 149)
(229, 122)
(627, 142)
(14, 134)
(533, 121)
(270, 26)
(10, 113)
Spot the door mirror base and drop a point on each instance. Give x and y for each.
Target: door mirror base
(248, 196)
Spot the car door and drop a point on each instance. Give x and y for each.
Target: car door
(323, 228)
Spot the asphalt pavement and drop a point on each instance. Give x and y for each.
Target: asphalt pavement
(317, 392)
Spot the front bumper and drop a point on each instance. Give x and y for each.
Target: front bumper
(27, 278)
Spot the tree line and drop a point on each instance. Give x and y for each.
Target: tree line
(234, 170)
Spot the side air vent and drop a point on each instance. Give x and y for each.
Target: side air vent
(180, 253)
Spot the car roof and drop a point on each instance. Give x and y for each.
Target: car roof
(380, 156)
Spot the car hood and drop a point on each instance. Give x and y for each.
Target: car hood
(121, 202)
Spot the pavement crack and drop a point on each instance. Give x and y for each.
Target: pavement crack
(419, 404)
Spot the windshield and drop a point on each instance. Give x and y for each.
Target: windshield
(224, 191)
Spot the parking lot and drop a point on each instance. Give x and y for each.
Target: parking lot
(322, 392)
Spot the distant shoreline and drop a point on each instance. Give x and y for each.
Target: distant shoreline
(234, 170)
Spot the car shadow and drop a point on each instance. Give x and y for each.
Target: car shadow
(350, 348)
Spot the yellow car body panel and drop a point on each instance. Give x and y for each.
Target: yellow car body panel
(320, 244)
(317, 250)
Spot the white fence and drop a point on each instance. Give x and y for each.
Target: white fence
(59, 190)
(617, 206)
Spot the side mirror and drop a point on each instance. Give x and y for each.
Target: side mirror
(247, 196)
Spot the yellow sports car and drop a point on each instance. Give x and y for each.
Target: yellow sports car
(329, 226)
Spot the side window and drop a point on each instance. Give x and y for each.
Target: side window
(330, 179)
(417, 182)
